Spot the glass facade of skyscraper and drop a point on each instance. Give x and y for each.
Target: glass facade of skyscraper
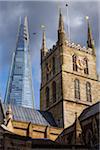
(19, 88)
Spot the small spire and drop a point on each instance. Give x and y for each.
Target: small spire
(90, 41)
(9, 113)
(78, 130)
(61, 22)
(44, 40)
(61, 30)
(44, 49)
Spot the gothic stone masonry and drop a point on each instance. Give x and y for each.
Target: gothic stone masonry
(69, 80)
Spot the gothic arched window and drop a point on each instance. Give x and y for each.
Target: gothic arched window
(89, 137)
(53, 65)
(54, 91)
(77, 88)
(86, 70)
(47, 76)
(74, 57)
(88, 92)
(47, 96)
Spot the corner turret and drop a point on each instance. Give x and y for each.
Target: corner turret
(61, 30)
(90, 41)
(44, 49)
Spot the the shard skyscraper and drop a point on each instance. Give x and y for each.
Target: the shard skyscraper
(19, 87)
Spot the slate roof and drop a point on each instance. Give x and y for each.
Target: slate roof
(34, 116)
(90, 111)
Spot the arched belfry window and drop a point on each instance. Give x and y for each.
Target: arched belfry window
(88, 92)
(47, 96)
(74, 58)
(54, 91)
(77, 88)
(53, 65)
(86, 70)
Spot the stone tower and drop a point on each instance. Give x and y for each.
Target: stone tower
(19, 89)
(68, 77)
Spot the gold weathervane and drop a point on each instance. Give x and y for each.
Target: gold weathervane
(87, 17)
(43, 27)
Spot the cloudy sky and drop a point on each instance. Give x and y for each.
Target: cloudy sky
(43, 13)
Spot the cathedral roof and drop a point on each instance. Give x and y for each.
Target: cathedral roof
(34, 116)
(90, 111)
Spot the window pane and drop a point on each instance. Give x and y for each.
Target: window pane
(77, 88)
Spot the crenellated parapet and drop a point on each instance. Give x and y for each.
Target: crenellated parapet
(70, 45)
(79, 47)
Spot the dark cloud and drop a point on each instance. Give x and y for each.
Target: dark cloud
(43, 13)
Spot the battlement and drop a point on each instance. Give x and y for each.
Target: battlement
(71, 45)
(79, 47)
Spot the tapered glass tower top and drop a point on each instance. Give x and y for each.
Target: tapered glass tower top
(19, 88)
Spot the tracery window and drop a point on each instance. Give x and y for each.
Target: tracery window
(54, 91)
(47, 76)
(77, 88)
(47, 96)
(74, 58)
(86, 70)
(53, 62)
(88, 92)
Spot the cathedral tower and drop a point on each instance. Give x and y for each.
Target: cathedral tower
(19, 88)
(69, 81)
